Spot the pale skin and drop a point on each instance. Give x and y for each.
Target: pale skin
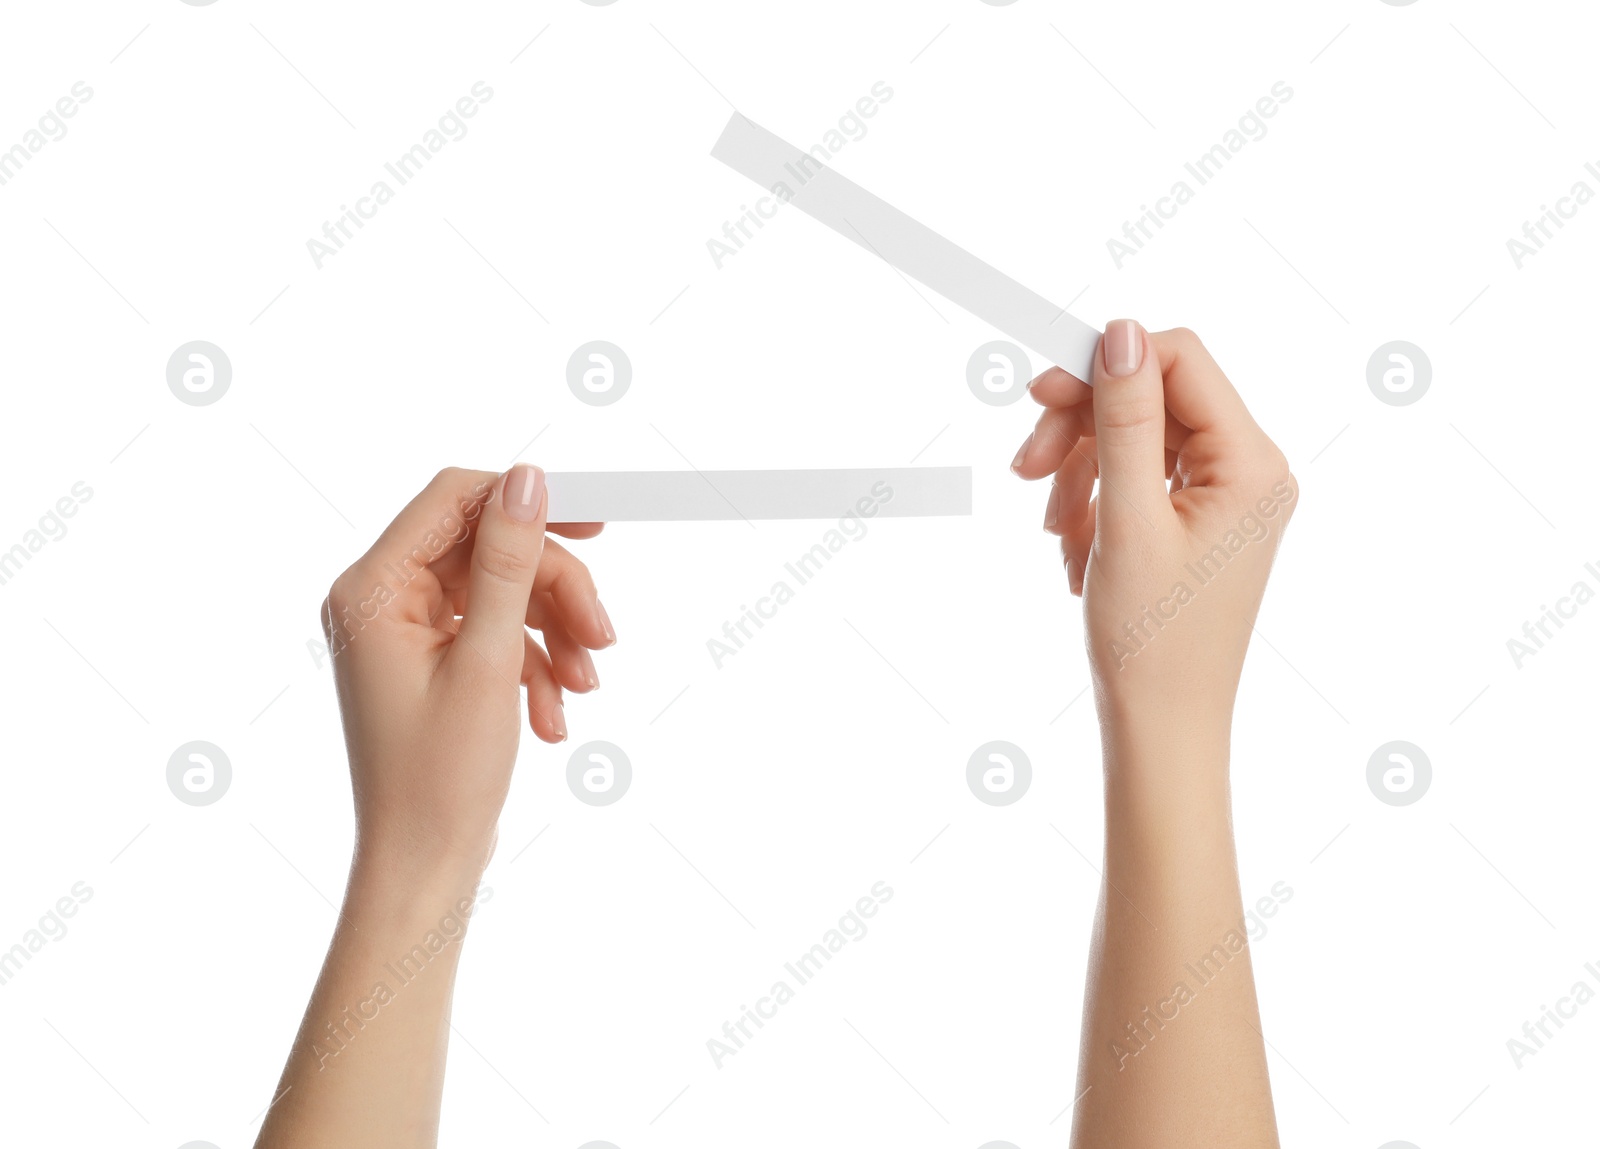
(437, 667)
(436, 670)
(1182, 470)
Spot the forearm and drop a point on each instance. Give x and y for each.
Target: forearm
(1171, 1051)
(367, 1066)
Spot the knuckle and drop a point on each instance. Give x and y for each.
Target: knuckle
(340, 603)
(1127, 421)
(1292, 493)
(1269, 472)
(1271, 461)
(457, 480)
(1188, 344)
(500, 562)
(342, 593)
(573, 581)
(1187, 337)
(449, 479)
(1188, 347)
(1263, 459)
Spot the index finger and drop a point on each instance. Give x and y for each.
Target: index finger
(576, 530)
(1055, 387)
(439, 518)
(1194, 388)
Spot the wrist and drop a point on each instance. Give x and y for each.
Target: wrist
(1168, 732)
(411, 888)
(393, 844)
(1168, 744)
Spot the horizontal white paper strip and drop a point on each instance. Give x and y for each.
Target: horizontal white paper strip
(659, 496)
(902, 242)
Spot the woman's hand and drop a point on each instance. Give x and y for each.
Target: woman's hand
(1172, 555)
(1171, 559)
(429, 642)
(428, 632)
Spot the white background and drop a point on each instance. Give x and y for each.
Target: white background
(180, 604)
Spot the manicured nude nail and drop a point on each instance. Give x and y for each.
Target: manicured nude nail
(605, 622)
(558, 722)
(1016, 464)
(589, 675)
(523, 491)
(1123, 345)
(1052, 507)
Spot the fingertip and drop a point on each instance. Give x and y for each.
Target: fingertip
(549, 724)
(522, 493)
(1022, 455)
(1122, 349)
(1054, 436)
(576, 530)
(570, 662)
(1055, 387)
(586, 668)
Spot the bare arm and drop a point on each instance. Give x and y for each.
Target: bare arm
(431, 657)
(367, 1066)
(1171, 1052)
(1172, 559)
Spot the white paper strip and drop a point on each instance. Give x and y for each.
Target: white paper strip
(901, 241)
(658, 496)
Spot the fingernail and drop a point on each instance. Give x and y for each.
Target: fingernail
(605, 622)
(1052, 507)
(522, 492)
(589, 674)
(1123, 345)
(558, 722)
(1016, 464)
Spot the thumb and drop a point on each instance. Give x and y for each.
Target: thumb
(1130, 422)
(505, 555)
